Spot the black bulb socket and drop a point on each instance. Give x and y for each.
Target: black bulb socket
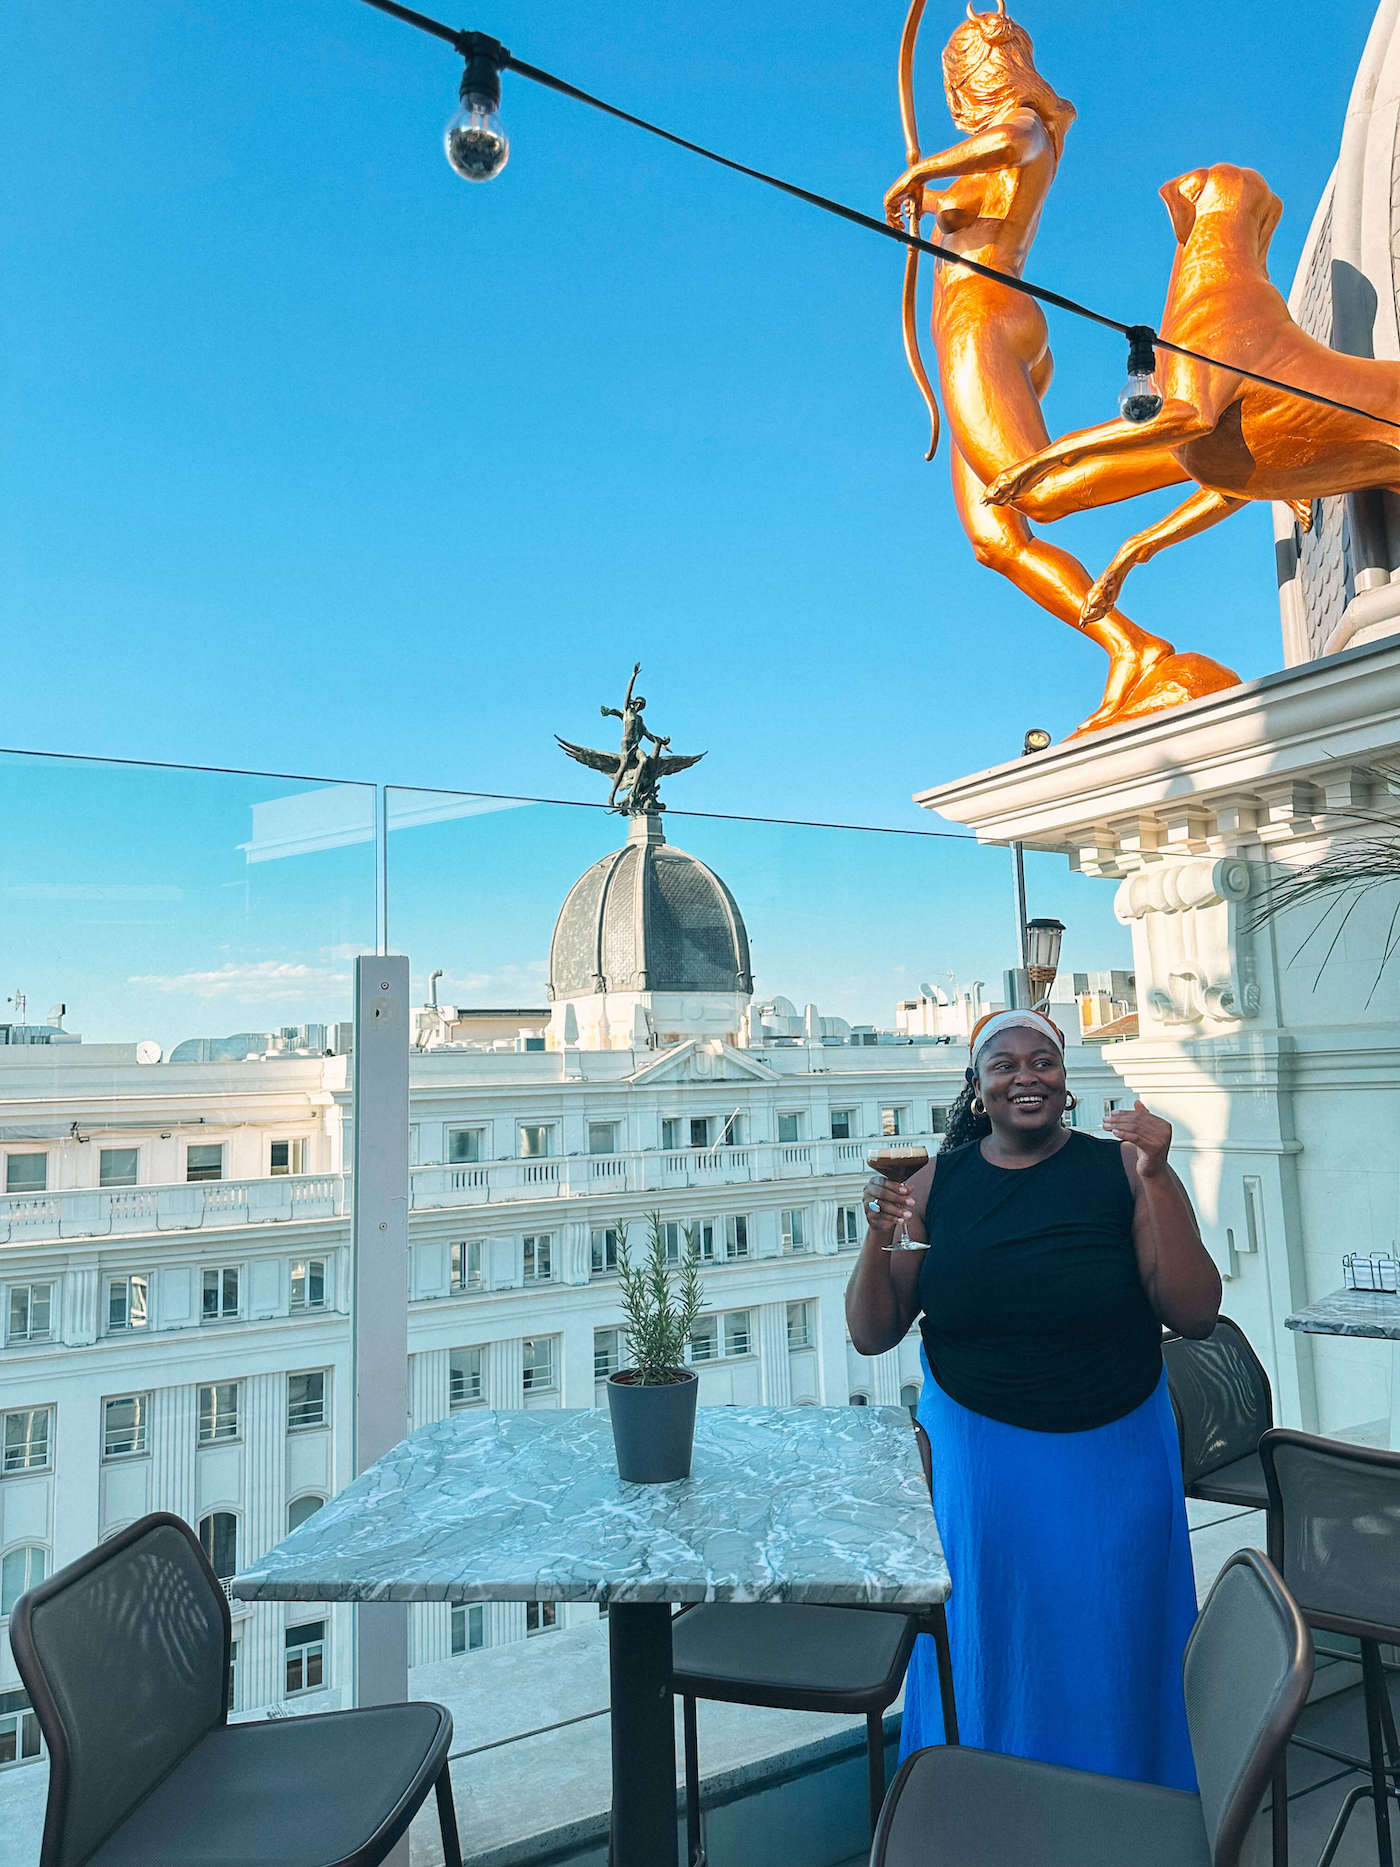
(1142, 353)
(481, 80)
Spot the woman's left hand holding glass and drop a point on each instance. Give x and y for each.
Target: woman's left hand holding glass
(1148, 1133)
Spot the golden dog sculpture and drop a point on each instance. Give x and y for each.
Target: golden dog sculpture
(1238, 439)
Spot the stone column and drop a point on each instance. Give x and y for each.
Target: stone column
(505, 1374)
(774, 1374)
(174, 1442)
(81, 1292)
(264, 1523)
(428, 1387)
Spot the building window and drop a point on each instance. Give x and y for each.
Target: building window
(465, 1146)
(27, 1443)
(893, 1121)
(938, 1119)
(736, 1237)
(699, 1131)
(302, 1508)
(220, 1294)
(604, 1245)
(602, 1137)
(218, 1412)
(126, 1304)
(799, 1325)
(909, 1397)
(465, 1376)
(704, 1339)
(732, 1133)
(468, 1627)
(1109, 1104)
(849, 1230)
(19, 1730)
(790, 1125)
(306, 1657)
(308, 1283)
(540, 1616)
(306, 1400)
(116, 1166)
(673, 1240)
(539, 1368)
(204, 1160)
(537, 1252)
(232, 1701)
(670, 1131)
(794, 1225)
(286, 1156)
(467, 1267)
(843, 1124)
(20, 1570)
(125, 1425)
(860, 1400)
(26, 1173)
(607, 1353)
(736, 1332)
(29, 1313)
(218, 1538)
(536, 1141)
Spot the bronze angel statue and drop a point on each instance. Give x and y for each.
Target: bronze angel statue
(635, 770)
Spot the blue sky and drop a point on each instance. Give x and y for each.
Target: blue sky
(319, 458)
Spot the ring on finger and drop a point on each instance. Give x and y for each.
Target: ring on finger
(874, 1205)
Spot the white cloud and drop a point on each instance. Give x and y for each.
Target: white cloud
(269, 981)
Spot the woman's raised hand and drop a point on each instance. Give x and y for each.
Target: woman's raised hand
(886, 1203)
(1148, 1133)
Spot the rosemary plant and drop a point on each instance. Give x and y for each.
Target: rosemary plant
(659, 1306)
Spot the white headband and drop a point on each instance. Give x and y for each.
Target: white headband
(1010, 1021)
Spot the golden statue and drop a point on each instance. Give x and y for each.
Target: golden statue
(994, 361)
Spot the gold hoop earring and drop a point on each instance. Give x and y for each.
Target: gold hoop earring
(1071, 1101)
(979, 1107)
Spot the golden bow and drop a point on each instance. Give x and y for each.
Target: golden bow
(911, 254)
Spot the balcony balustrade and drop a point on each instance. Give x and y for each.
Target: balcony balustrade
(113, 1212)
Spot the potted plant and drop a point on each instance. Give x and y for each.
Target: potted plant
(652, 1402)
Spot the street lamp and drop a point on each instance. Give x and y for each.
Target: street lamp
(1036, 740)
(1042, 942)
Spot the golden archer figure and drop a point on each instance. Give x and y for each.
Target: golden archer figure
(994, 360)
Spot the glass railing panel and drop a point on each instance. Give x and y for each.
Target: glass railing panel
(175, 1123)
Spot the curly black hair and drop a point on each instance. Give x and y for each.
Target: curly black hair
(963, 1124)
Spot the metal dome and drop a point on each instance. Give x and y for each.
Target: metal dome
(648, 918)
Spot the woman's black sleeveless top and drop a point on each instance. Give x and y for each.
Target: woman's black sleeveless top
(1034, 1313)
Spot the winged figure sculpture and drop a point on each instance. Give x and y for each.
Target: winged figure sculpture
(637, 768)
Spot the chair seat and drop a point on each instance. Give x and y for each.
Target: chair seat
(975, 1808)
(291, 1792)
(791, 1657)
(1241, 1482)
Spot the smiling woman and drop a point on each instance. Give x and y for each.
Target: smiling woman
(1051, 1260)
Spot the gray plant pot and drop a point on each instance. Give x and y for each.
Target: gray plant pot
(653, 1427)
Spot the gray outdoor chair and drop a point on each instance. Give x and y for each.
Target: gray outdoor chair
(1334, 1532)
(800, 1658)
(1223, 1405)
(1247, 1670)
(125, 1656)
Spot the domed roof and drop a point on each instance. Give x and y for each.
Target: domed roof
(648, 918)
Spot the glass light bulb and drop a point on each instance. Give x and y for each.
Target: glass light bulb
(1140, 398)
(475, 141)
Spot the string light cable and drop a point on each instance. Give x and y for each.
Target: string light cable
(477, 148)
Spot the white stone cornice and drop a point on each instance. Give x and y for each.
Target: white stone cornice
(1275, 761)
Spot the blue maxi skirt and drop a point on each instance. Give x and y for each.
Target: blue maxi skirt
(1073, 1592)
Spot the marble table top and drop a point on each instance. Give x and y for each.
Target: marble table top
(1374, 1313)
(817, 1504)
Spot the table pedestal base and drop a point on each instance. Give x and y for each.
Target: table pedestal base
(643, 1736)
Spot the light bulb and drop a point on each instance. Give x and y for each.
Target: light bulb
(474, 140)
(1140, 398)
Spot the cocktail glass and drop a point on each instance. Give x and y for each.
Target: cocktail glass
(893, 1162)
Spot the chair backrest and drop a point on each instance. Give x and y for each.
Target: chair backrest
(1247, 1670)
(1334, 1530)
(1221, 1397)
(125, 1656)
